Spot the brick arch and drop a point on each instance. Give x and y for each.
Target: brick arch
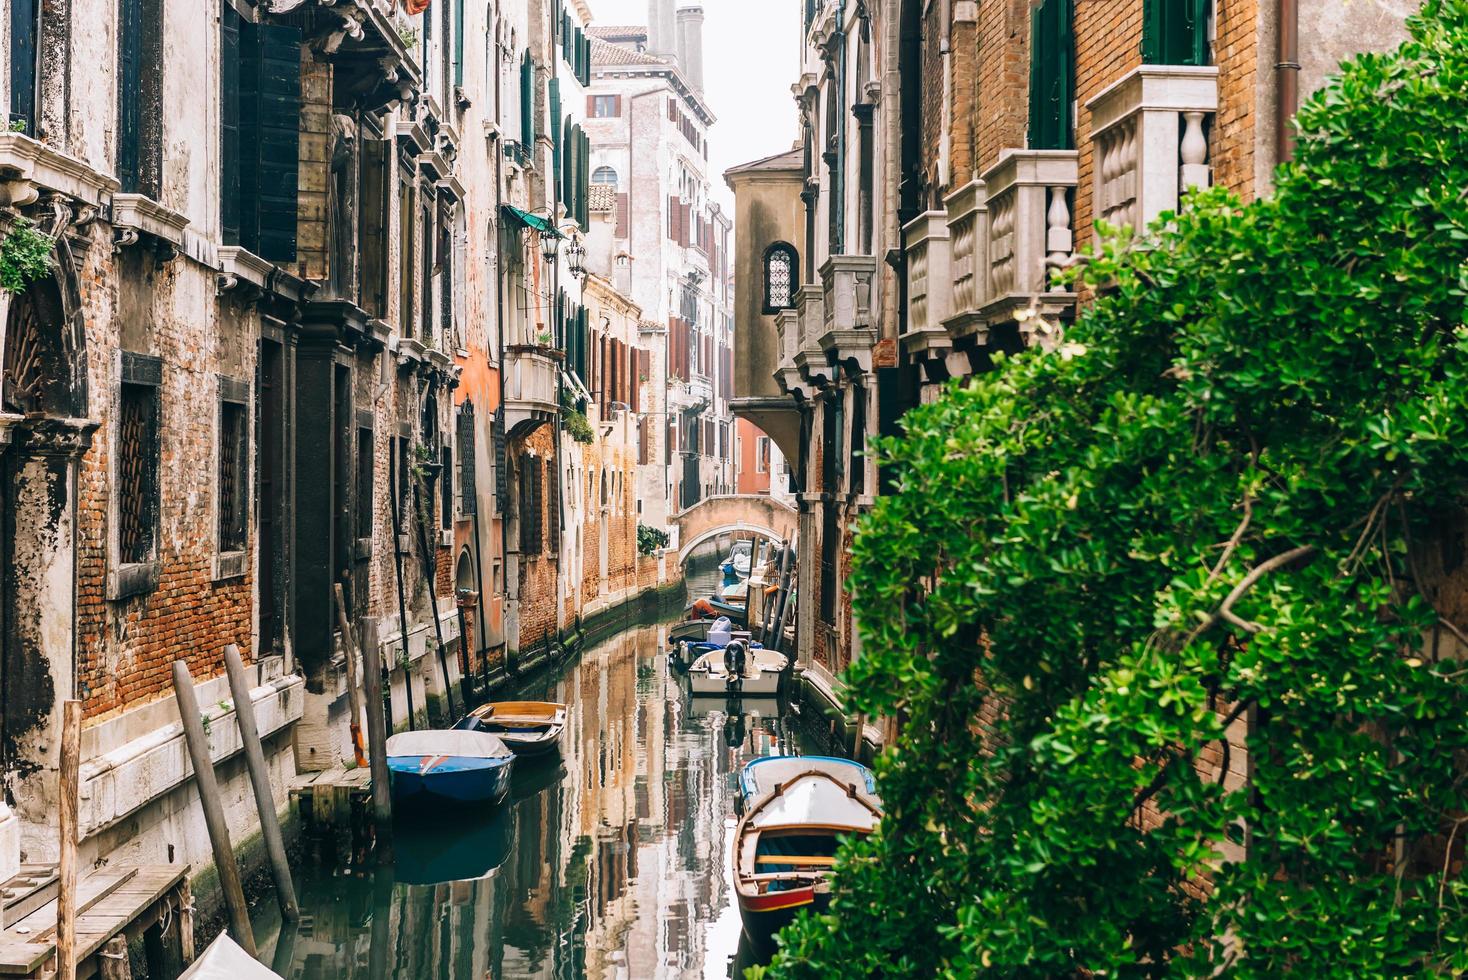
(756, 514)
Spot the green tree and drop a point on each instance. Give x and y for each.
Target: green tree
(1221, 499)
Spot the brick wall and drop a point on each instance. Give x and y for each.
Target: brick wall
(1108, 38)
(1002, 79)
(1236, 52)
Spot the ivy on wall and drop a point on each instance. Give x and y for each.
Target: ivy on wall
(1218, 504)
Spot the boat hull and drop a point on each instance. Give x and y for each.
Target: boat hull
(693, 629)
(764, 915)
(710, 685)
(530, 745)
(455, 779)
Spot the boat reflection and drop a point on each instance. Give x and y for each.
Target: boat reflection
(610, 861)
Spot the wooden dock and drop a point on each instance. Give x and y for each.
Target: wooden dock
(328, 798)
(115, 906)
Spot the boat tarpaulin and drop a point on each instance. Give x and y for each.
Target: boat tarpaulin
(451, 742)
(225, 960)
(527, 220)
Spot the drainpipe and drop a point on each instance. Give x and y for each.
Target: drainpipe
(1287, 78)
(945, 141)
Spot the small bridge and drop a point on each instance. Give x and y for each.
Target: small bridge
(751, 513)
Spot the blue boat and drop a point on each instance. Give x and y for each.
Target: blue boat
(448, 766)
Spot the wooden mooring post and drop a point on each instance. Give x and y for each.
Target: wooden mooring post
(66, 899)
(377, 740)
(244, 709)
(214, 821)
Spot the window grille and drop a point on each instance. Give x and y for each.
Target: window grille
(780, 264)
(137, 472)
(233, 478)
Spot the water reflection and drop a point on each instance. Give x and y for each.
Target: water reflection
(610, 862)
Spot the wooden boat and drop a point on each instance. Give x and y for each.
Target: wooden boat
(709, 673)
(452, 766)
(712, 608)
(225, 960)
(527, 727)
(689, 629)
(761, 776)
(785, 845)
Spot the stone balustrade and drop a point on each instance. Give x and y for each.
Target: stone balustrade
(929, 283)
(968, 234)
(1151, 133)
(848, 334)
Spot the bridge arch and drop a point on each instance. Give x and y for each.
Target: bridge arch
(755, 514)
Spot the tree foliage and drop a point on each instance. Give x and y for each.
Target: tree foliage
(25, 255)
(1223, 501)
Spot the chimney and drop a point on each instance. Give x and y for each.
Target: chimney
(662, 37)
(690, 45)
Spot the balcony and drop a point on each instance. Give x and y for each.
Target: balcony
(929, 285)
(532, 391)
(847, 334)
(1029, 235)
(1150, 130)
(968, 236)
(810, 359)
(29, 168)
(787, 329)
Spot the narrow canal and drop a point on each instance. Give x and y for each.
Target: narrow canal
(609, 862)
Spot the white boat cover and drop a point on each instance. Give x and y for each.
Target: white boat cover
(721, 632)
(762, 775)
(225, 960)
(815, 800)
(448, 741)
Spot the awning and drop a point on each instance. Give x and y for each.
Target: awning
(527, 220)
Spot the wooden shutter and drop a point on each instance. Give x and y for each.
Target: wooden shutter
(459, 43)
(558, 140)
(25, 23)
(1052, 56)
(527, 102)
(229, 125)
(624, 216)
(686, 223)
(644, 440)
(468, 481)
(271, 57)
(376, 166)
(1175, 32)
(129, 93)
(497, 437)
(553, 500)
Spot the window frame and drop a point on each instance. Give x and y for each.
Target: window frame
(793, 258)
(233, 393)
(126, 578)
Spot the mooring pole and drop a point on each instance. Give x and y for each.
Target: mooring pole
(377, 739)
(430, 585)
(354, 695)
(208, 786)
(71, 757)
(397, 534)
(244, 709)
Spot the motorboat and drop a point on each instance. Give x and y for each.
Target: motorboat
(449, 765)
(527, 727)
(225, 959)
(712, 608)
(737, 669)
(786, 842)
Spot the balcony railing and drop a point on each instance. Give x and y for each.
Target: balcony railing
(1029, 225)
(532, 392)
(787, 328)
(968, 234)
(1150, 130)
(929, 283)
(847, 335)
(810, 359)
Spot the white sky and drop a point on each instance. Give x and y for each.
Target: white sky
(751, 58)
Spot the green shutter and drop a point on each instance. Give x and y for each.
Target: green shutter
(129, 94)
(557, 143)
(270, 114)
(584, 175)
(527, 102)
(25, 22)
(1175, 32)
(1052, 85)
(459, 43)
(229, 125)
(567, 170)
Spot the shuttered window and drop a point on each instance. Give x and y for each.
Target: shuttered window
(527, 102)
(1175, 32)
(137, 454)
(553, 497)
(624, 215)
(558, 137)
(531, 506)
(372, 226)
(459, 43)
(25, 29)
(140, 96)
(468, 482)
(498, 436)
(260, 92)
(233, 474)
(1052, 76)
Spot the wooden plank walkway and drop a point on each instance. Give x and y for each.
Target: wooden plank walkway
(112, 902)
(328, 796)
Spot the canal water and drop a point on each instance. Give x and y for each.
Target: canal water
(608, 862)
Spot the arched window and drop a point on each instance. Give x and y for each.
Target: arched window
(780, 266)
(604, 175)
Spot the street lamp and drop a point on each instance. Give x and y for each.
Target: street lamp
(550, 245)
(576, 258)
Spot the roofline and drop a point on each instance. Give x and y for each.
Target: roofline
(664, 70)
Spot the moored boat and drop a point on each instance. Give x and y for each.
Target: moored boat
(449, 766)
(527, 727)
(689, 629)
(226, 960)
(785, 845)
(719, 672)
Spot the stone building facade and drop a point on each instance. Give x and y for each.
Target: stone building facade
(668, 246)
(952, 155)
(299, 327)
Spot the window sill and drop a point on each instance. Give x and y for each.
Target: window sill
(230, 565)
(126, 581)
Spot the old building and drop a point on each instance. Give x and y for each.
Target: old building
(953, 155)
(304, 313)
(669, 245)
